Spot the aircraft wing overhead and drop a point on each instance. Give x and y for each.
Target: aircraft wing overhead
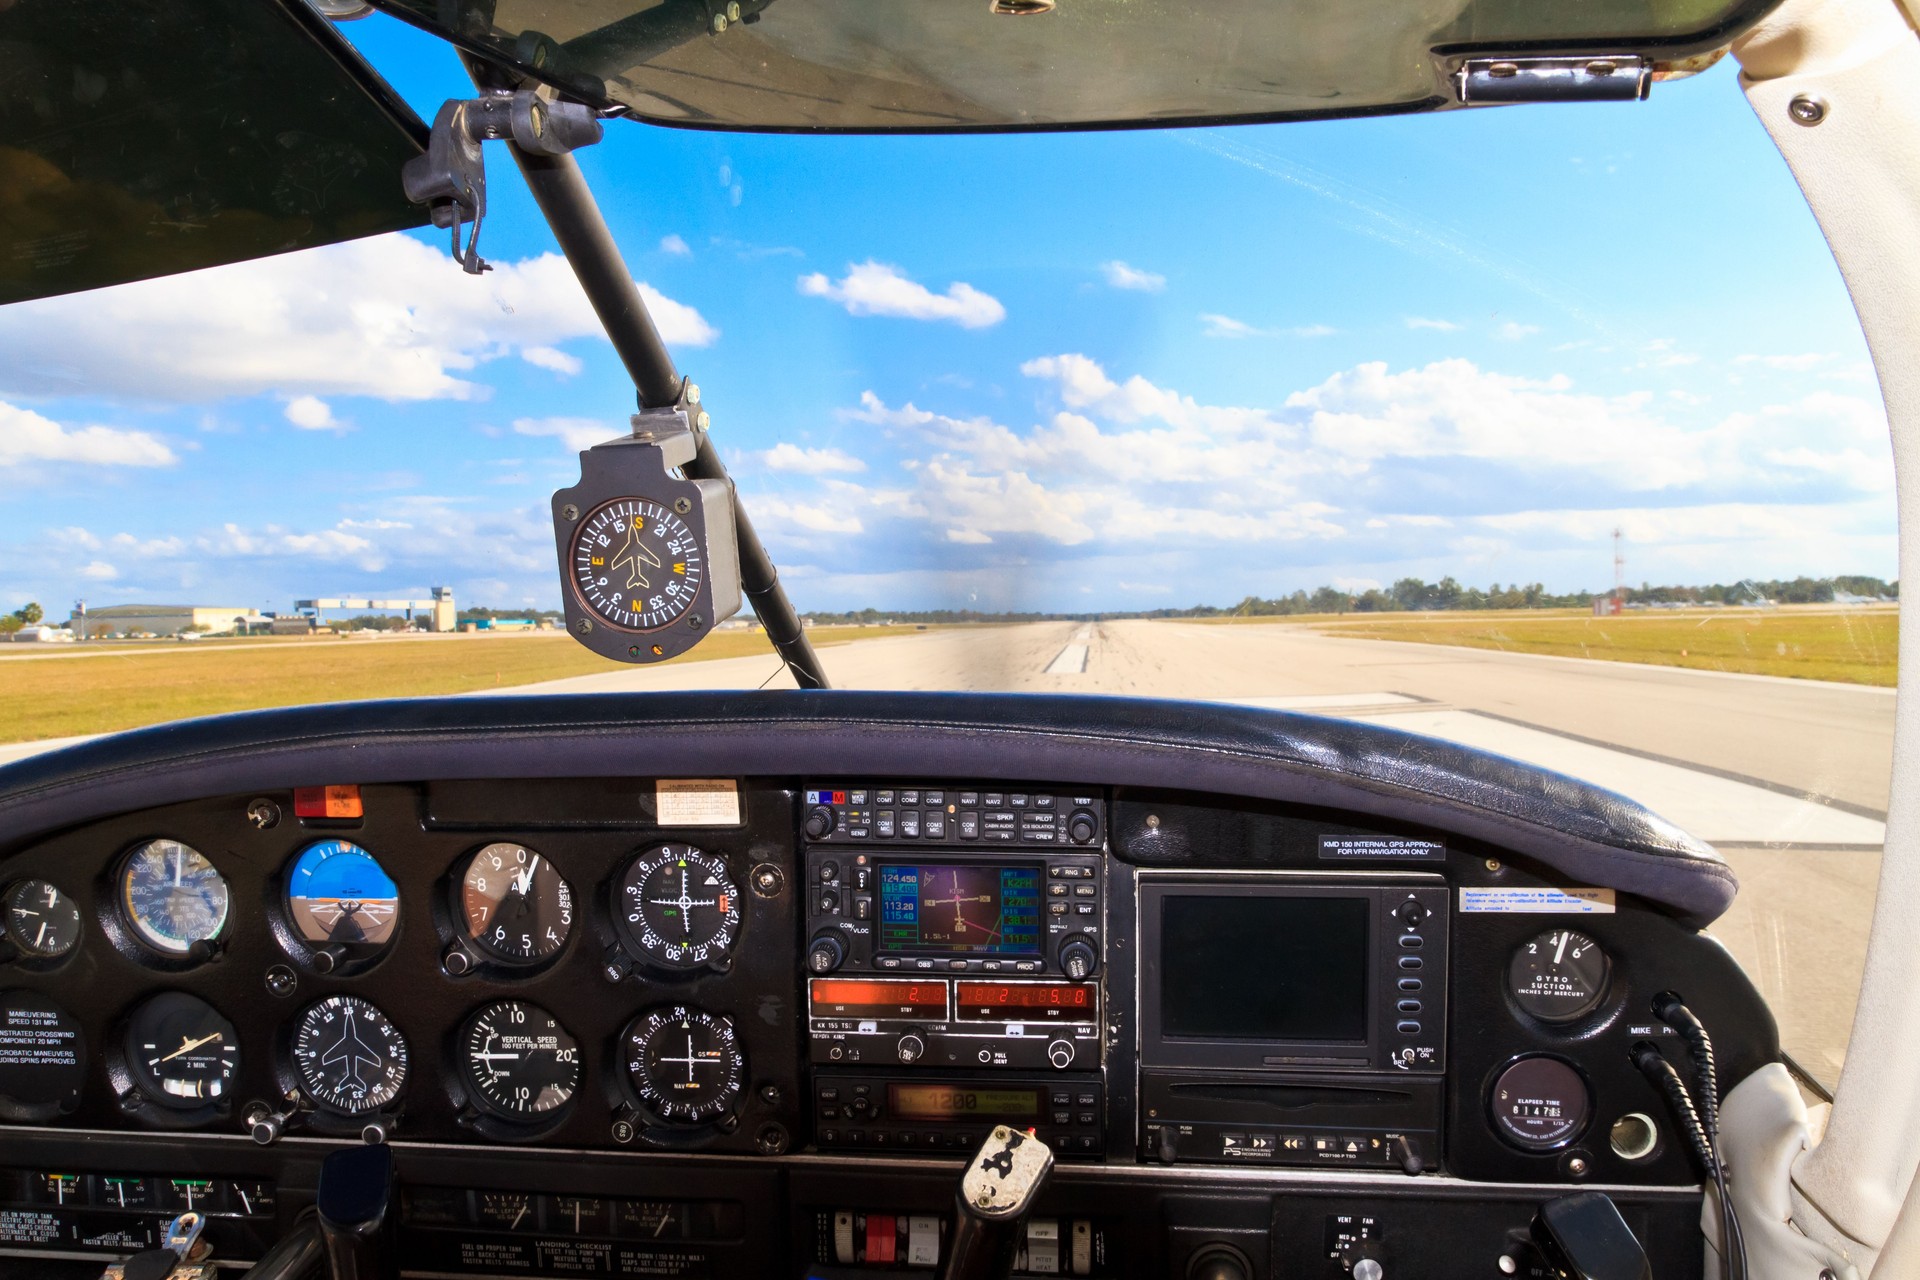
(143, 138)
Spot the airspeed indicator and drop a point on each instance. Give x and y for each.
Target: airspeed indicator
(635, 564)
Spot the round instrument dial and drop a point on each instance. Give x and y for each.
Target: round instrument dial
(678, 907)
(518, 1061)
(1540, 1103)
(514, 905)
(635, 564)
(41, 921)
(337, 895)
(348, 1056)
(1559, 976)
(684, 1063)
(173, 897)
(181, 1052)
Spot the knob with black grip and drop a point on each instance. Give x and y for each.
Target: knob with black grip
(1219, 1262)
(1082, 827)
(826, 953)
(819, 822)
(1078, 958)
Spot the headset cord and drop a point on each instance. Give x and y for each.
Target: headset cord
(1654, 1065)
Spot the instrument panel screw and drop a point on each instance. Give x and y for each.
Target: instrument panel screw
(569, 512)
(703, 421)
(264, 815)
(1807, 109)
(282, 981)
(767, 880)
(695, 622)
(1493, 864)
(583, 625)
(1577, 1167)
(771, 1140)
(1153, 822)
(693, 393)
(683, 505)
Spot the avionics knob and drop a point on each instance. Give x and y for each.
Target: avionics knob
(1060, 1054)
(826, 953)
(1081, 827)
(1078, 959)
(819, 822)
(911, 1047)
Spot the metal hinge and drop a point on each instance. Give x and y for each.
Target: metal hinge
(1595, 78)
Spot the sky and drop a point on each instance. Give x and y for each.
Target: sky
(1050, 372)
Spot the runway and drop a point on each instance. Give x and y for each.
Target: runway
(1788, 778)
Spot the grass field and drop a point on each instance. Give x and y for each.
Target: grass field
(1854, 645)
(46, 697)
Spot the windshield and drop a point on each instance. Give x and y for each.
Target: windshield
(1547, 430)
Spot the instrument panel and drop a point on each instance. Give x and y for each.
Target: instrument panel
(814, 969)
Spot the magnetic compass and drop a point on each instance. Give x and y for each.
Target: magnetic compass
(649, 561)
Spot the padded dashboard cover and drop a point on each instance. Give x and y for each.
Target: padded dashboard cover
(1595, 837)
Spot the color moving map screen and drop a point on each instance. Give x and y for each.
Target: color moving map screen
(960, 908)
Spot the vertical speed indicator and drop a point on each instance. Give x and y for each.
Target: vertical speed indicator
(635, 565)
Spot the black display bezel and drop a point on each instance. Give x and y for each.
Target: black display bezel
(1377, 1050)
(1000, 865)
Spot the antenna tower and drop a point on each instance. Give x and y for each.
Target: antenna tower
(1619, 571)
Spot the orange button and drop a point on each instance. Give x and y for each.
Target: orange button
(327, 802)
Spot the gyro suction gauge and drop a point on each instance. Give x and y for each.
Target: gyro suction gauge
(648, 560)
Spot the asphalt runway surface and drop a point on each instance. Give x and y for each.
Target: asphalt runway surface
(1788, 778)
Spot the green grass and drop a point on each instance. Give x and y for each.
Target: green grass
(1855, 646)
(130, 685)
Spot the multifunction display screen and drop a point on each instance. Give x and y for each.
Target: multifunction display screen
(1264, 968)
(955, 1102)
(960, 908)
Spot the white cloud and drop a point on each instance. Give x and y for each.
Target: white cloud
(968, 537)
(878, 289)
(579, 434)
(1797, 363)
(786, 456)
(388, 317)
(1423, 322)
(1514, 331)
(310, 413)
(1219, 326)
(552, 358)
(1122, 276)
(27, 437)
(675, 246)
(98, 571)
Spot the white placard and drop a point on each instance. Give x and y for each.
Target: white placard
(696, 802)
(1538, 900)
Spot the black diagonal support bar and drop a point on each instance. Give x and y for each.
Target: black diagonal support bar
(571, 211)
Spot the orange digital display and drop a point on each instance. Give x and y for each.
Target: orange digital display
(878, 998)
(1029, 1001)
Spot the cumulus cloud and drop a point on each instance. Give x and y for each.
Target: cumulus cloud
(387, 317)
(1219, 326)
(1513, 331)
(577, 434)
(1122, 276)
(1425, 322)
(786, 456)
(28, 437)
(552, 358)
(675, 246)
(98, 571)
(310, 413)
(878, 289)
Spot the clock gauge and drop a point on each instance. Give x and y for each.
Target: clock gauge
(172, 896)
(677, 907)
(39, 920)
(349, 1058)
(636, 565)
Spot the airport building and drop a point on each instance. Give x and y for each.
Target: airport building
(164, 620)
(439, 612)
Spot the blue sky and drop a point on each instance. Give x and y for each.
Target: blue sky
(1121, 370)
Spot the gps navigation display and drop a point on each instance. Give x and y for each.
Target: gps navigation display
(960, 908)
